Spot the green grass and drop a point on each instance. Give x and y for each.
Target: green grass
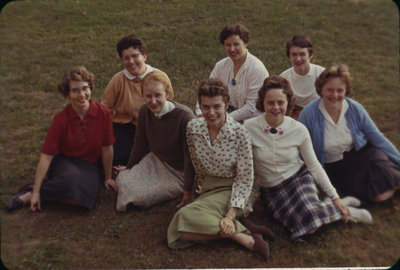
(40, 40)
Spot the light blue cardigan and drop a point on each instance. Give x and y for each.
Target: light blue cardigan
(362, 129)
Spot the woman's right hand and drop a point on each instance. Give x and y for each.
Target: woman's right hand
(187, 198)
(116, 170)
(35, 201)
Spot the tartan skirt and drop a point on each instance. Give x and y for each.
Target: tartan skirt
(364, 174)
(204, 214)
(295, 203)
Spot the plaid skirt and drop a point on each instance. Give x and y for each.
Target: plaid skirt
(295, 203)
(364, 174)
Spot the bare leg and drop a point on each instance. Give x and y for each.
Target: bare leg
(384, 196)
(26, 198)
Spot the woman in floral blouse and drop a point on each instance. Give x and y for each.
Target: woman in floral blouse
(221, 154)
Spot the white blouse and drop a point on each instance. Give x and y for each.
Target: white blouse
(337, 137)
(277, 156)
(248, 81)
(229, 156)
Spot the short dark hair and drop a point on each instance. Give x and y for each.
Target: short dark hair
(335, 71)
(237, 30)
(133, 41)
(274, 82)
(79, 73)
(301, 41)
(213, 87)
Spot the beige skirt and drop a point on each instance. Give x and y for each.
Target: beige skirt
(149, 182)
(204, 214)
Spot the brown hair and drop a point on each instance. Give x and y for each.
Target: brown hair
(301, 41)
(159, 77)
(237, 30)
(276, 82)
(133, 41)
(335, 71)
(213, 87)
(79, 73)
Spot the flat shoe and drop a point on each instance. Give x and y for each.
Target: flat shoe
(260, 246)
(15, 202)
(257, 229)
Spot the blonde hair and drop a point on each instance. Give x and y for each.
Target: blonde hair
(159, 77)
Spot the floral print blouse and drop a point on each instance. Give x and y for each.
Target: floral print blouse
(230, 156)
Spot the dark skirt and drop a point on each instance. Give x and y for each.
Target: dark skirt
(71, 179)
(364, 174)
(124, 140)
(295, 203)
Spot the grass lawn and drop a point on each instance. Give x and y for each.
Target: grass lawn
(40, 40)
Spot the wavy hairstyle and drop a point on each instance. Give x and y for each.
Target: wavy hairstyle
(79, 73)
(276, 82)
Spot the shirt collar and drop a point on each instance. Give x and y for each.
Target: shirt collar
(266, 128)
(226, 130)
(325, 113)
(140, 77)
(168, 107)
(92, 111)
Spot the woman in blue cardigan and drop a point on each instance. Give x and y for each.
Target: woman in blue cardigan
(359, 160)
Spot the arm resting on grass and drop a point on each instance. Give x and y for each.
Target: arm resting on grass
(41, 171)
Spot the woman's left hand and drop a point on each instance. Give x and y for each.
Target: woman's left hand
(227, 227)
(111, 183)
(345, 211)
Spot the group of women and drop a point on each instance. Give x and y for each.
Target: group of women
(241, 143)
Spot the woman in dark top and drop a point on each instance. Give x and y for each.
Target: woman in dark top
(157, 176)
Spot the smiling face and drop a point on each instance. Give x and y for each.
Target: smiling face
(275, 106)
(154, 96)
(79, 95)
(333, 93)
(300, 59)
(235, 48)
(134, 61)
(213, 110)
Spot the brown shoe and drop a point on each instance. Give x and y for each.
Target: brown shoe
(260, 247)
(258, 229)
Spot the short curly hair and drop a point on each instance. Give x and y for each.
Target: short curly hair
(276, 82)
(213, 87)
(79, 73)
(234, 29)
(133, 41)
(335, 71)
(301, 41)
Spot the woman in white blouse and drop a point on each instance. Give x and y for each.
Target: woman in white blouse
(359, 160)
(241, 71)
(220, 150)
(288, 183)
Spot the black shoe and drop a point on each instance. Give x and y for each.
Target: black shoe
(15, 202)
